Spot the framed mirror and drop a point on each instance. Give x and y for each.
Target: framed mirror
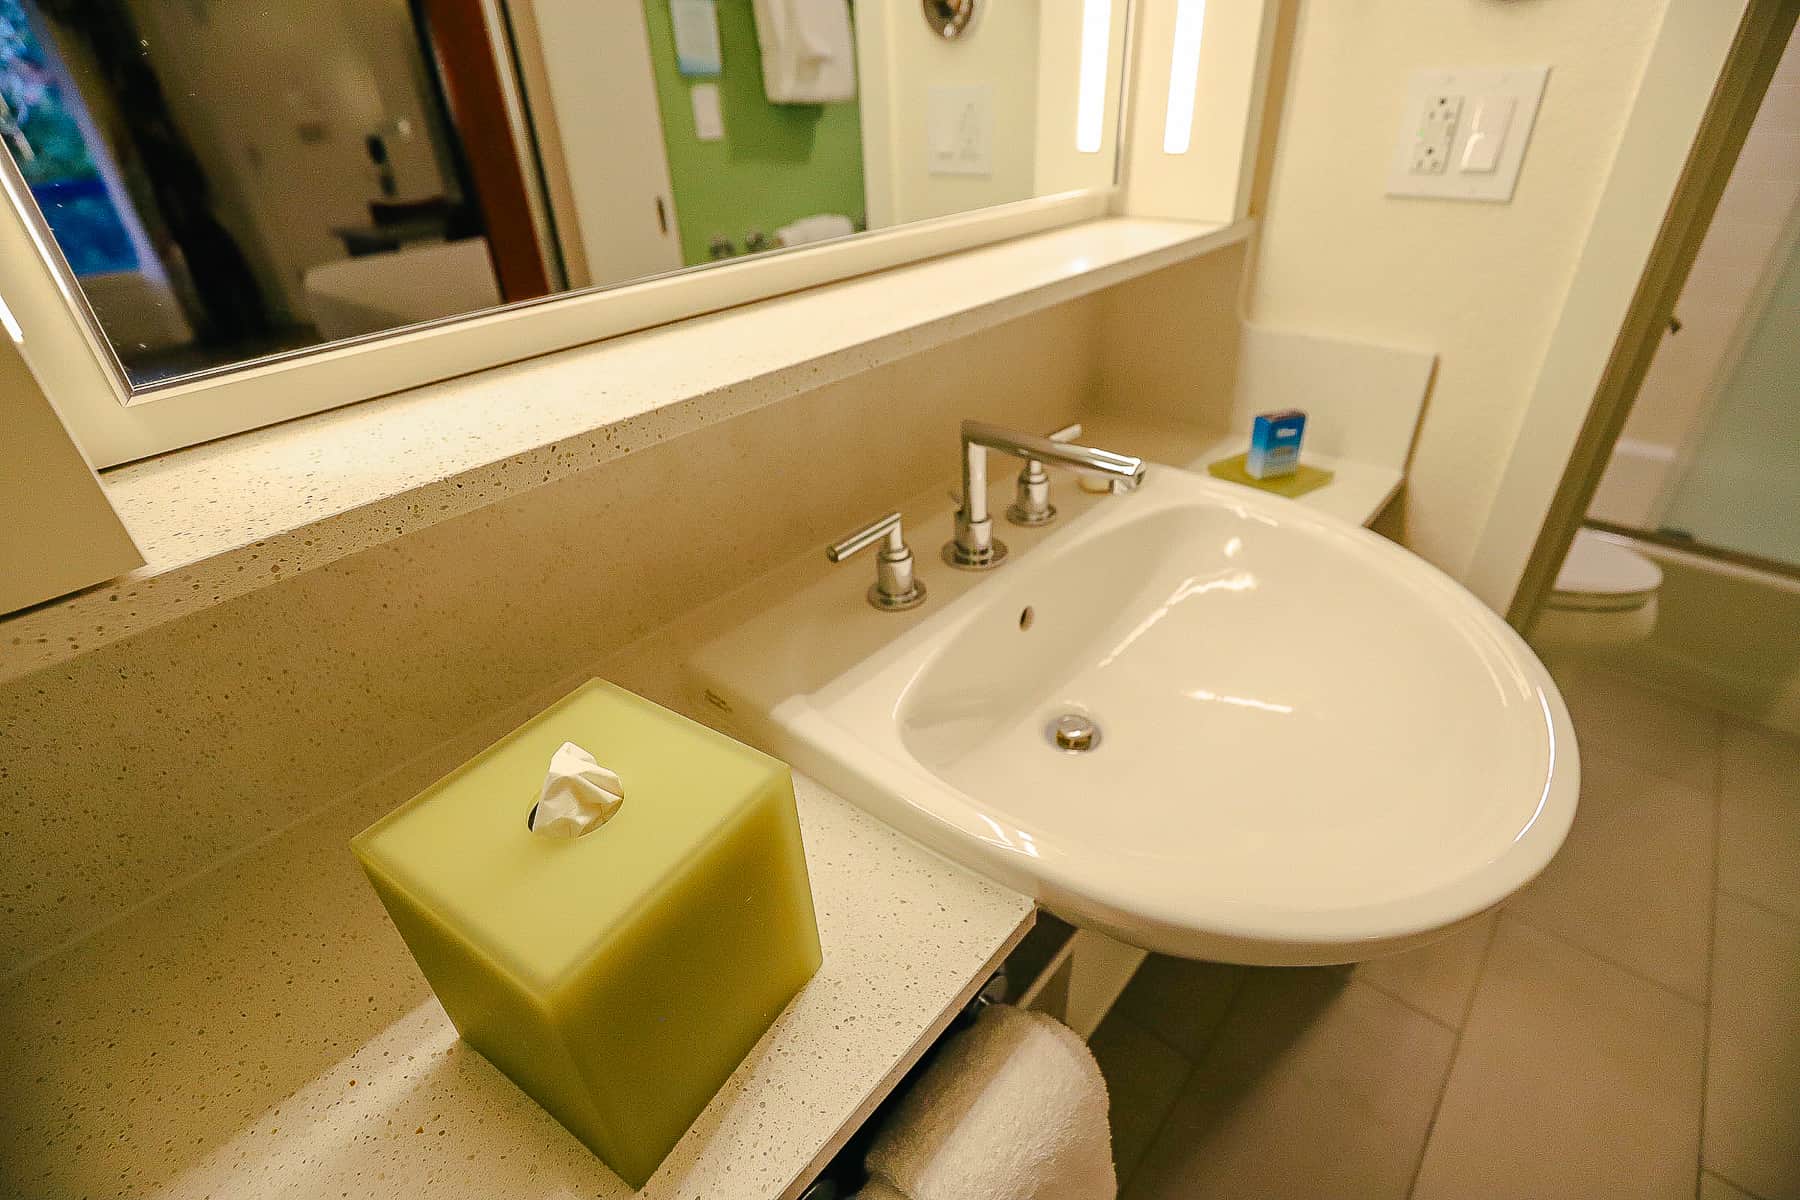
(232, 189)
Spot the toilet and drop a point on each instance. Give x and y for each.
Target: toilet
(1605, 595)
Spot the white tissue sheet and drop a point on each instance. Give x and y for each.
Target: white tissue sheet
(1013, 1109)
(578, 794)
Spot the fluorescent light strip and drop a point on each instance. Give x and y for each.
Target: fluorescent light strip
(1184, 76)
(10, 323)
(1096, 43)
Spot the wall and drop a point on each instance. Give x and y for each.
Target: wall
(1480, 284)
(135, 766)
(1169, 341)
(900, 60)
(777, 162)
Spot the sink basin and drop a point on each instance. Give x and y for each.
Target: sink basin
(1285, 739)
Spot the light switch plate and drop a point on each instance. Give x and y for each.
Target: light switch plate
(709, 118)
(1447, 109)
(960, 130)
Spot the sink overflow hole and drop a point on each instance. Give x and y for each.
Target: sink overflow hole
(1026, 617)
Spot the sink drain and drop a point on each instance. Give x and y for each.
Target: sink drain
(1073, 733)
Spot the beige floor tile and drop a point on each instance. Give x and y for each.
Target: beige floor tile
(1180, 1001)
(1753, 1059)
(1759, 818)
(1436, 979)
(1573, 1079)
(1714, 1188)
(1316, 1086)
(1655, 732)
(1144, 1075)
(1633, 883)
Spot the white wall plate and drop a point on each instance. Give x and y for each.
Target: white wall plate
(1464, 131)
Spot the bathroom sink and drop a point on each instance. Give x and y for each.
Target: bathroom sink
(1206, 721)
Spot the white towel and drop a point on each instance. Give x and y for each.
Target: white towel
(820, 228)
(1013, 1109)
(808, 50)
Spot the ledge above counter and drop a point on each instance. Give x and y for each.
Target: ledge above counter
(220, 520)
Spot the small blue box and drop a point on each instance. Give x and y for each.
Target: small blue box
(1275, 444)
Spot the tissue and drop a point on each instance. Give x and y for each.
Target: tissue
(579, 795)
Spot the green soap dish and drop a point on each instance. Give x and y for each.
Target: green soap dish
(1304, 479)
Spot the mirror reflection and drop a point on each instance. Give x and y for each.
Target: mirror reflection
(229, 180)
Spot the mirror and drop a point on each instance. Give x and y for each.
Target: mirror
(229, 181)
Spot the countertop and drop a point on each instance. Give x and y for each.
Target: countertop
(264, 1033)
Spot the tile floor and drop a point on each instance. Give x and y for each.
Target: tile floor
(1627, 1026)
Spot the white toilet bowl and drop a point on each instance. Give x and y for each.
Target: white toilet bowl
(1605, 595)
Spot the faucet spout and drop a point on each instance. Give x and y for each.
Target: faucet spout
(1126, 471)
(975, 546)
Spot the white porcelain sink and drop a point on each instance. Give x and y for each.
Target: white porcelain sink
(1314, 747)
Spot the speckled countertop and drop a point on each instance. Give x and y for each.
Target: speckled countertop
(222, 519)
(264, 1033)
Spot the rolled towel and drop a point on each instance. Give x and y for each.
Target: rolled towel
(1013, 1109)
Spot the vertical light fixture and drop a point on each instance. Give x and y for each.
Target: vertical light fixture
(1184, 76)
(1090, 105)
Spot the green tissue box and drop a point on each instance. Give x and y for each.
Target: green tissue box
(620, 976)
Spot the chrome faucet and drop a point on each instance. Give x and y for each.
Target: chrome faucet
(896, 587)
(1031, 505)
(975, 547)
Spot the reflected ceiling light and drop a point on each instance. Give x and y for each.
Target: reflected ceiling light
(1241, 701)
(1184, 76)
(1090, 106)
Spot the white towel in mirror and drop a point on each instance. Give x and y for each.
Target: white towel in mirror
(819, 228)
(808, 50)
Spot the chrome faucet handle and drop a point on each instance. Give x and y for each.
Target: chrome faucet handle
(896, 587)
(1031, 501)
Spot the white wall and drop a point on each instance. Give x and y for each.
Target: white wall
(899, 60)
(1481, 284)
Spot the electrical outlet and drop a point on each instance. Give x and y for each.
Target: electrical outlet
(1437, 133)
(1463, 132)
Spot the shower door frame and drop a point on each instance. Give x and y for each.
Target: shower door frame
(1545, 492)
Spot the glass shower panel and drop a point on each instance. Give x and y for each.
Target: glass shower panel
(1741, 489)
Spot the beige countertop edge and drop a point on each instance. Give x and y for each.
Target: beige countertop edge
(265, 1034)
(219, 520)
